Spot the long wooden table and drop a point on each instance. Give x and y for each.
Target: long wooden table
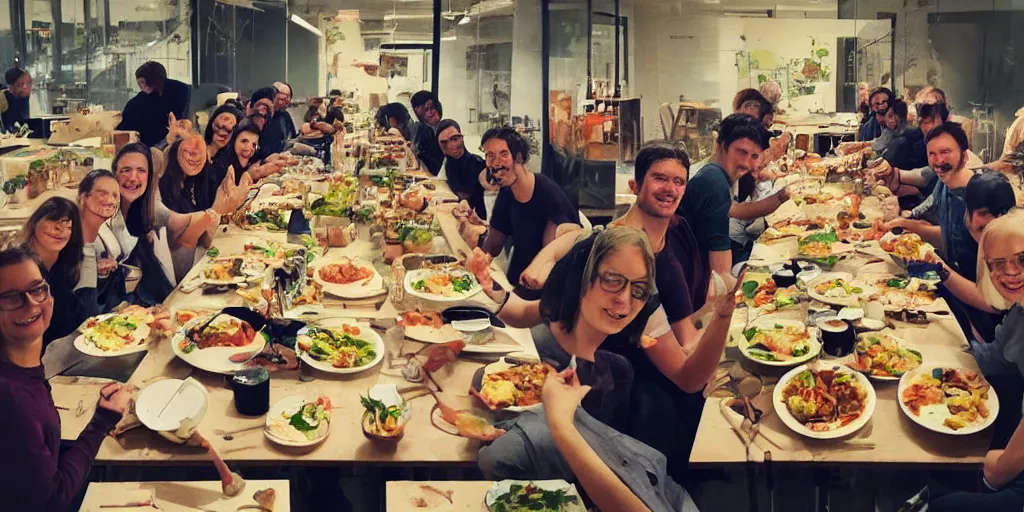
(422, 443)
(889, 437)
(180, 496)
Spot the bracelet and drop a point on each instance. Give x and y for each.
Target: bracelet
(504, 301)
(480, 240)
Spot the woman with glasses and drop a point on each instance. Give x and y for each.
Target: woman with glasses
(38, 473)
(54, 234)
(219, 129)
(1001, 281)
(605, 290)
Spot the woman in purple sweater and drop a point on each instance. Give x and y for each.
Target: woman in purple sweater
(36, 473)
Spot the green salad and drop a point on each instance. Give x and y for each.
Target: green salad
(530, 498)
(338, 348)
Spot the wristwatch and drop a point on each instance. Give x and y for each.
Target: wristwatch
(943, 273)
(480, 241)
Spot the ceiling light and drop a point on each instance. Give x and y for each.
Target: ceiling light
(465, 20)
(305, 24)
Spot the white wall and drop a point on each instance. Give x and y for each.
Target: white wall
(694, 55)
(527, 68)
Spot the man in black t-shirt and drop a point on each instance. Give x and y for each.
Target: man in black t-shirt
(424, 138)
(530, 208)
(463, 169)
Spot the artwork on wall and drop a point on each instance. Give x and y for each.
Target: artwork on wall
(799, 76)
(393, 65)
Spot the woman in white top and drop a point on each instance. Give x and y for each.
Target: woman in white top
(142, 216)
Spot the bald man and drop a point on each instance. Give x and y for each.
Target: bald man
(280, 126)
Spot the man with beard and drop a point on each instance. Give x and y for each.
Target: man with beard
(710, 201)
(879, 100)
(947, 156)
(462, 169)
(424, 138)
(530, 208)
(280, 127)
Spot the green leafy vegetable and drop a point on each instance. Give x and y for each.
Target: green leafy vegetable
(897, 283)
(213, 252)
(750, 333)
(762, 355)
(826, 237)
(749, 287)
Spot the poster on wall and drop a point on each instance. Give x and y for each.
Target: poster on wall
(393, 65)
(804, 79)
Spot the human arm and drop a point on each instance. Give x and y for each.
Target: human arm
(928, 232)
(1001, 466)
(561, 397)
(751, 210)
(536, 273)
(721, 262)
(693, 359)
(41, 481)
(963, 289)
(264, 169)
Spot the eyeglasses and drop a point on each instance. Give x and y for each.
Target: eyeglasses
(17, 299)
(219, 128)
(453, 138)
(613, 282)
(999, 265)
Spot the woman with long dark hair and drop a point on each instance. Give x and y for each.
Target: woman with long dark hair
(54, 234)
(241, 155)
(38, 472)
(188, 186)
(134, 231)
(220, 128)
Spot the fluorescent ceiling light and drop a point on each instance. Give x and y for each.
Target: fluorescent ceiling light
(393, 16)
(465, 20)
(448, 38)
(296, 19)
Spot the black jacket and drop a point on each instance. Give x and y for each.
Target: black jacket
(147, 113)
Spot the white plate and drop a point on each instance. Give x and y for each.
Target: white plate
(185, 407)
(767, 322)
(355, 290)
(423, 273)
(249, 274)
(503, 342)
(365, 332)
(139, 345)
(292, 404)
(499, 488)
(215, 359)
(796, 426)
(902, 343)
(932, 416)
(853, 300)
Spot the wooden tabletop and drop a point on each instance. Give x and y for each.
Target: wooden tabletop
(422, 442)
(889, 437)
(466, 496)
(180, 496)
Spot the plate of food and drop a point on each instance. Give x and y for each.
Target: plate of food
(884, 356)
(510, 385)
(907, 294)
(766, 295)
(442, 285)
(533, 496)
(779, 342)
(215, 341)
(274, 252)
(337, 345)
(479, 335)
(823, 400)
(906, 247)
(947, 399)
(792, 228)
(385, 413)
(299, 420)
(227, 270)
(348, 278)
(839, 289)
(817, 247)
(114, 334)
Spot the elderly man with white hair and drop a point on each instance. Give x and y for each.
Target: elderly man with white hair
(280, 127)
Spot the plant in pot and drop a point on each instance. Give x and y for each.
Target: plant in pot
(17, 188)
(38, 178)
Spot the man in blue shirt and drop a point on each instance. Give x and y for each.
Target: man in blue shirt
(879, 100)
(947, 157)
